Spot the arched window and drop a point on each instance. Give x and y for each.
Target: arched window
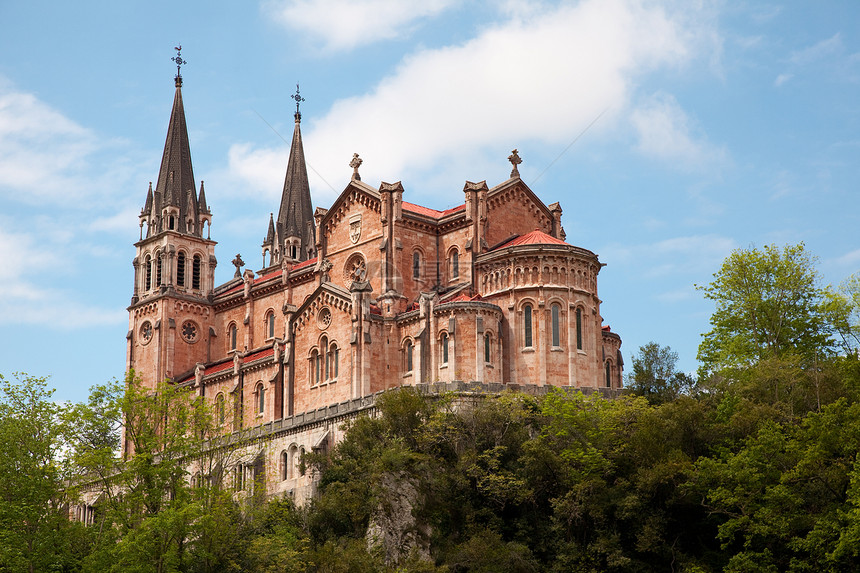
(555, 311)
(180, 269)
(324, 353)
(313, 368)
(219, 408)
(407, 349)
(195, 273)
(608, 373)
(293, 462)
(487, 344)
(239, 477)
(527, 326)
(299, 467)
(231, 336)
(261, 398)
(285, 465)
(170, 222)
(148, 264)
(333, 359)
(158, 269)
(579, 329)
(444, 345)
(270, 325)
(416, 265)
(455, 264)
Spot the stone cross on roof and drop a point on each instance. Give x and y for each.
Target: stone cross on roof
(238, 263)
(355, 164)
(515, 160)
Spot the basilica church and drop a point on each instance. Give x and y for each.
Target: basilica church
(370, 293)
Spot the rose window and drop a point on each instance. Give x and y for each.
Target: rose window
(146, 332)
(189, 331)
(324, 318)
(355, 270)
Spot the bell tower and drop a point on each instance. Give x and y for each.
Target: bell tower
(291, 238)
(171, 316)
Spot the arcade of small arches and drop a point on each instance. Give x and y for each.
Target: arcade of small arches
(159, 269)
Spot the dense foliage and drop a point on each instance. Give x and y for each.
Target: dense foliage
(726, 481)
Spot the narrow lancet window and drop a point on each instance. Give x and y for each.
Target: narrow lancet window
(579, 329)
(180, 270)
(556, 339)
(527, 326)
(261, 399)
(195, 273)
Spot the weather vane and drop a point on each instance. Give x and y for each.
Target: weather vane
(179, 62)
(299, 99)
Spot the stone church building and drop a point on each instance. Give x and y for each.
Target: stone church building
(370, 293)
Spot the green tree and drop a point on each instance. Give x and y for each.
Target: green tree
(35, 533)
(844, 306)
(769, 305)
(654, 376)
(134, 448)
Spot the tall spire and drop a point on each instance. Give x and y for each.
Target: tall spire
(295, 224)
(175, 184)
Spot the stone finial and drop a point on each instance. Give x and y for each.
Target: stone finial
(355, 164)
(515, 160)
(238, 263)
(324, 267)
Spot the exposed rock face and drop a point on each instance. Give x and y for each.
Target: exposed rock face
(393, 528)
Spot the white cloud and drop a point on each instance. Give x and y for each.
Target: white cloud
(26, 301)
(540, 76)
(347, 24)
(849, 259)
(665, 132)
(824, 49)
(781, 79)
(46, 156)
(691, 254)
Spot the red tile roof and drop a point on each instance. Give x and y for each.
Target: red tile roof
(272, 274)
(258, 355)
(259, 279)
(304, 264)
(428, 212)
(227, 364)
(463, 297)
(536, 237)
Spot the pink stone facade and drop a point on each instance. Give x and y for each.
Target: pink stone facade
(396, 295)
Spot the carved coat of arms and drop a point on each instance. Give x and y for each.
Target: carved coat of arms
(355, 230)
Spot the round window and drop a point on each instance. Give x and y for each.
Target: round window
(146, 332)
(324, 318)
(190, 331)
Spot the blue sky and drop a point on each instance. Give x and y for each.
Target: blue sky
(721, 125)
